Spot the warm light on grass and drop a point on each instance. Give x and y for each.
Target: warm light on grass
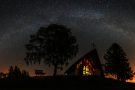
(132, 81)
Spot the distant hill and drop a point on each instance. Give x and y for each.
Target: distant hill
(66, 82)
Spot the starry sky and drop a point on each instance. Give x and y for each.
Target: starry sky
(100, 21)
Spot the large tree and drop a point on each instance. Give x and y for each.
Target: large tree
(55, 45)
(117, 63)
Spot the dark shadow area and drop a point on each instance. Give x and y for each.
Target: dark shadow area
(65, 82)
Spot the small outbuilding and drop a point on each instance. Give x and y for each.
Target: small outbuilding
(88, 64)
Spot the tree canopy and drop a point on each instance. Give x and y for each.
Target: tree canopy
(54, 44)
(117, 63)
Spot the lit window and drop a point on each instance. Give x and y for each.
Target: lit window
(86, 70)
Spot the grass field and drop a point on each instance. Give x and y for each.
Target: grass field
(65, 83)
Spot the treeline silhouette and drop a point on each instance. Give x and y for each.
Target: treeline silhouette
(15, 73)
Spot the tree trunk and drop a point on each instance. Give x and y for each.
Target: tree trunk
(118, 77)
(55, 70)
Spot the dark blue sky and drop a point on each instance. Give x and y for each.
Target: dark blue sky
(100, 21)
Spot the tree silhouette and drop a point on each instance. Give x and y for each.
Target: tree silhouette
(117, 63)
(15, 73)
(25, 74)
(55, 45)
(11, 72)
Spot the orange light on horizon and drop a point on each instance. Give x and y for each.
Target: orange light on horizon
(4, 70)
(132, 81)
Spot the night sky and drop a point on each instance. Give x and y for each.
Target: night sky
(100, 21)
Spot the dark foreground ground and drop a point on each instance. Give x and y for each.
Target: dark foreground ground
(65, 83)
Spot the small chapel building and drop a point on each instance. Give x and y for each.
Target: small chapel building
(89, 64)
